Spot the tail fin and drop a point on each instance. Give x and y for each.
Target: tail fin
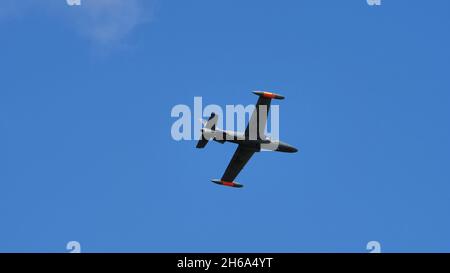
(211, 125)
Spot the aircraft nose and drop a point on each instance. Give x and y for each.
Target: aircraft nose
(288, 148)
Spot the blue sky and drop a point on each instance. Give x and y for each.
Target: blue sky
(86, 152)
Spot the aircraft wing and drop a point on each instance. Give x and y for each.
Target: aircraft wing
(237, 163)
(257, 124)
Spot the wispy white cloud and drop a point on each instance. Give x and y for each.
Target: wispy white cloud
(109, 21)
(105, 22)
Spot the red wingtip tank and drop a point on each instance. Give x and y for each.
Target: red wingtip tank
(268, 95)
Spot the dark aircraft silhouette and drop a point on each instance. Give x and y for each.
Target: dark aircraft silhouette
(253, 140)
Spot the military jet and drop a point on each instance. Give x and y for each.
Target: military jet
(251, 141)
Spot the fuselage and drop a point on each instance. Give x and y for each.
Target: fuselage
(255, 144)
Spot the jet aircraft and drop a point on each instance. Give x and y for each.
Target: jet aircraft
(251, 141)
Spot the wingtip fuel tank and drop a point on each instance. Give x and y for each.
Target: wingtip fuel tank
(228, 184)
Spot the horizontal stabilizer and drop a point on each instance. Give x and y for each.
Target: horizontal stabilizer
(201, 143)
(211, 125)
